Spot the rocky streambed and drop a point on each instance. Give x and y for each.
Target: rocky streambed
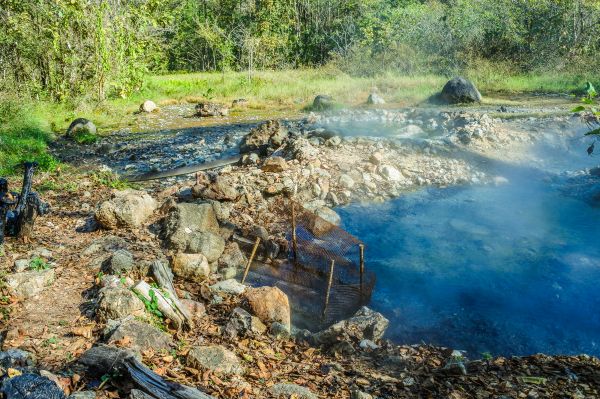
(225, 338)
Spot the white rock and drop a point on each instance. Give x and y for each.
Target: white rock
(390, 173)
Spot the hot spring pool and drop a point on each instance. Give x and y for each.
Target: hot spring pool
(507, 270)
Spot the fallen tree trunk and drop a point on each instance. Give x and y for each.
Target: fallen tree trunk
(107, 360)
(165, 303)
(164, 277)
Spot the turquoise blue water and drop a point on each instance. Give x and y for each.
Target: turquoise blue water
(507, 270)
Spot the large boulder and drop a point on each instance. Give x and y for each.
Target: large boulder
(29, 284)
(185, 219)
(365, 324)
(207, 109)
(270, 304)
(193, 267)
(270, 134)
(460, 90)
(214, 358)
(81, 126)
(117, 303)
(323, 102)
(137, 335)
(127, 208)
(327, 219)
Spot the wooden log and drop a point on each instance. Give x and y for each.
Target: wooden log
(164, 277)
(108, 360)
(164, 304)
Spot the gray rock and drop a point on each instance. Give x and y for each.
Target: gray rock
(81, 126)
(14, 358)
(346, 181)
(228, 273)
(193, 267)
(334, 142)
(460, 90)
(232, 257)
(207, 109)
(127, 208)
(243, 323)
(137, 394)
(21, 265)
(218, 188)
(323, 102)
(83, 395)
(196, 309)
(356, 394)
(232, 287)
(365, 324)
(140, 335)
(184, 219)
(270, 134)
(215, 358)
(117, 303)
(285, 390)
(279, 331)
(29, 284)
(120, 263)
(30, 386)
(206, 243)
(375, 99)
(104, 244)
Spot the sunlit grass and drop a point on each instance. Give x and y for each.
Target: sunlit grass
(26, 127)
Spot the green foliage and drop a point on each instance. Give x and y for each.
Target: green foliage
(152, 304)
(22, 138)
(38, 264)
(109, 179)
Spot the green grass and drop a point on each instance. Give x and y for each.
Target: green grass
(27, 127)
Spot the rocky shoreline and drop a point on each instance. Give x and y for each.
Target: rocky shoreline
(230, 340)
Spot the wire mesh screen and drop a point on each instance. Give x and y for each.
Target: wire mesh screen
(319, 247)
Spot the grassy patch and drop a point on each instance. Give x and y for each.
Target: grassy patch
(23, 137)
(25, 128)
